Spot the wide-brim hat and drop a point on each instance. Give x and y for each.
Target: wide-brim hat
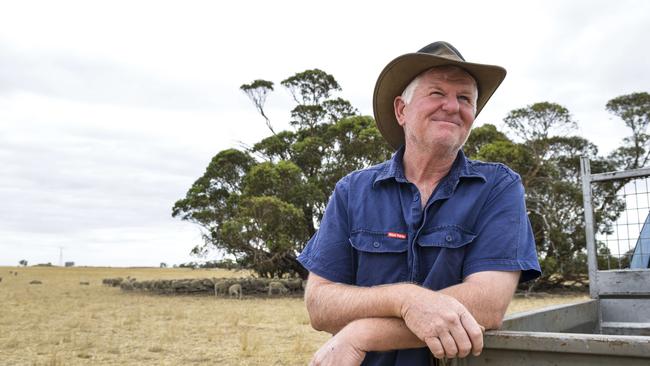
(398, 74)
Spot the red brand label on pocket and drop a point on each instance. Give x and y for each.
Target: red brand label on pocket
(396, 235)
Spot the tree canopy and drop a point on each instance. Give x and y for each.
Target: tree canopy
(548, 159)
(262, 204)
(634, 110)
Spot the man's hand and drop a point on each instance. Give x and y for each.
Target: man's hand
(443, 323)
(341, 350)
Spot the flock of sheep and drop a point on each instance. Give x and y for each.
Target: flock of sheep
(232, 288)
(235, 290)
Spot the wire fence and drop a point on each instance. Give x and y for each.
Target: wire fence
(627, 244)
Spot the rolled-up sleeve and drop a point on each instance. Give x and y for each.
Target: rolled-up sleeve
(328, 253)
(504, 240)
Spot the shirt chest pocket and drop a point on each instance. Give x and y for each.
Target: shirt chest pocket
(442, 254)
(379, 259)
(446, 237)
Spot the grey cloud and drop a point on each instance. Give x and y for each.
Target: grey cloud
(67, 186)
(597, 45)
(82, 78)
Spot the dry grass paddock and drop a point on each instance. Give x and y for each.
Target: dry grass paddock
(61, 322)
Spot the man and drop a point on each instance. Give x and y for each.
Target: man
(416, 255)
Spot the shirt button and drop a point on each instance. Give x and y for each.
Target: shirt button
(416, 197)
(375, 244)
(449, 238)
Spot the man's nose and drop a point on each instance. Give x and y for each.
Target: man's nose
(451, 104)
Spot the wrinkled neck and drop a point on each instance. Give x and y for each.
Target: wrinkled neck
(427, 166)
(426, 170)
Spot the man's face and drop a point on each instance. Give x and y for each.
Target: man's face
(441, 111)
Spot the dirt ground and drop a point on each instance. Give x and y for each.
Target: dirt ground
(61, 322)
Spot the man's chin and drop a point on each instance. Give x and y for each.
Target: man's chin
(442, 146)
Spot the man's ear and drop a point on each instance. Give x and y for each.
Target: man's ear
(398, 107)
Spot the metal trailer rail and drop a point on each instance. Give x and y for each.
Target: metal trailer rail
(613, 328)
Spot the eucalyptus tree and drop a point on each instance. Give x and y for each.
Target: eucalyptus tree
(262, 204)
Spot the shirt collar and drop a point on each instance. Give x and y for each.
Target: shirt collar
(394, 168)
(462, 168)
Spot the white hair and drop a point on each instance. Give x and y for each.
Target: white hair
(407, 94)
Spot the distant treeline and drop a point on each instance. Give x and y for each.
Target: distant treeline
(223, 263)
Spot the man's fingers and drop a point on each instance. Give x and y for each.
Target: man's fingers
(435, 346)
(448, 343)
(474, 331)
(463, 343)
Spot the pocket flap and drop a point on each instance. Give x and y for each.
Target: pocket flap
(374, 242)
(446, 237)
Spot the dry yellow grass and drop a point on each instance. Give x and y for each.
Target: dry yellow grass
(63, 323)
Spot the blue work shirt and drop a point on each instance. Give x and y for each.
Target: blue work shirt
(375, 232)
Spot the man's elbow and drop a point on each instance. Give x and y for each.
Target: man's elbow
(315, 317)
(495, 324)
(494, 320)
(320, 322)
(312, 304)
(318, 318)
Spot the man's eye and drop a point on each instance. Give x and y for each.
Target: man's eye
(464, 98)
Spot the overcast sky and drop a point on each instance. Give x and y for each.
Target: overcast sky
(110, 110)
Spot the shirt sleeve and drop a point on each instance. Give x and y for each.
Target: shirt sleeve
(504, 240)
(329, 253)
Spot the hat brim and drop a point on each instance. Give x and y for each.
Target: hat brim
(399, 73)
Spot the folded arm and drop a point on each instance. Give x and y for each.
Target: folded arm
(332, 305)
(403, 316)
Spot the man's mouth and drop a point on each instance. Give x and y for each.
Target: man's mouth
(446, 121)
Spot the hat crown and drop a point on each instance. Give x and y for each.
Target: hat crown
(442, 49)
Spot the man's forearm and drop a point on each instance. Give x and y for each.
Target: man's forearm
(486, 299)
(382, 334)
(474, 299)
(408, 316)
(388, 334)
(332, 306)
(350, 345)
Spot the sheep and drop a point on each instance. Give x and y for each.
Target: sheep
(126, 285)
(36, 282)
(275, 285)
(235, 290)
(294, 285)
(220, 287)
(0, 279)
(83, 283)
(258, 283)
(114, 282)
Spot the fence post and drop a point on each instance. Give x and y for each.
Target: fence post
(585, 172)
